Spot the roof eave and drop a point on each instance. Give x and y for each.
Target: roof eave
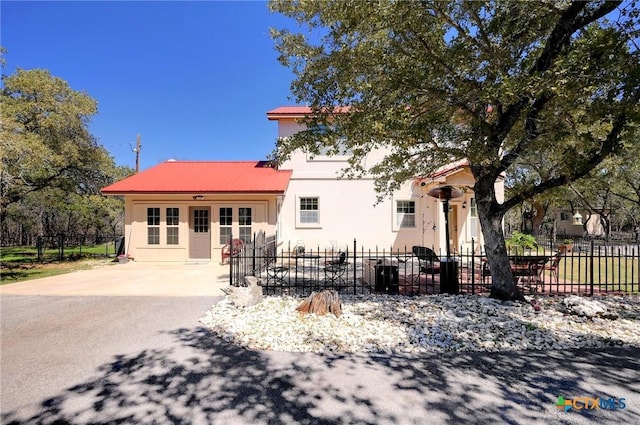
(190, 192)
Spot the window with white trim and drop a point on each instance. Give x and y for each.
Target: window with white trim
(332, 146)
(474, 224)
(153, 226)
(405, 214)
(244, 220)
(173, 221)
(308, 210)
(226, 221)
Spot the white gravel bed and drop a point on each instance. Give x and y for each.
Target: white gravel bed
(434, 323)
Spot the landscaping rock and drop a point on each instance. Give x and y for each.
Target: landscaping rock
(245, 296)
(585, 307)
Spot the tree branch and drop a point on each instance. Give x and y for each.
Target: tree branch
(531, 132)
(607, 147)
(560, 37)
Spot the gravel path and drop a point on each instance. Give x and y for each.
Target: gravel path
(402, 325)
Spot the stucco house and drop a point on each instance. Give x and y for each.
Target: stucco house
(324, 211)
(574, 224)
(181, 210)
(186, 210)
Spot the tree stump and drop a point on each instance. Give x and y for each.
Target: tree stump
(321, 303)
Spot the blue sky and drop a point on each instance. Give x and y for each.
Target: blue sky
(194, 79)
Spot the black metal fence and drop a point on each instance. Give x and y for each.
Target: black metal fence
(297, 270)
(61, 246)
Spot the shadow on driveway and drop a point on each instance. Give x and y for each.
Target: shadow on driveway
(202, 380)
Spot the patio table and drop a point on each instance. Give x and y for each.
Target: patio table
(524, 267)
(314, 264)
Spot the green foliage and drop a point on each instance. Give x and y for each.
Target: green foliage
(520, 241)
(45, 138)
(51, 167)
(552, 85)
(613, 189)
(550, 88)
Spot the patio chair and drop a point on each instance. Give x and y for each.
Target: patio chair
(427, 259)
(485, 271)
(276, 271)
(335, 269)
(554, 264)
(231, 249)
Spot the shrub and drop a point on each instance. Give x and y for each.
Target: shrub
(518, 242)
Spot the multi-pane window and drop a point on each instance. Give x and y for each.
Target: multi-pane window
(309, 211)
(473, 209)
(173, 220)
(333, 142)
(201, 221)
(153, 226)
(244, 220)
(473, 219)
(406, 213)
(226, 219)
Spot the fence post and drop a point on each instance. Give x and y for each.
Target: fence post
(591, 268)
(230, 261)
(354, 265)
(39, 246)
(473, 267)
(253, 255)
(60, 246)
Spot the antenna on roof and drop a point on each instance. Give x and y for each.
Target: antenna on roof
(137, 150)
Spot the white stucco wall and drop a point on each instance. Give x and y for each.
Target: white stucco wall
(347, 209)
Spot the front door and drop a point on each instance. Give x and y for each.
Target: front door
(199, 232)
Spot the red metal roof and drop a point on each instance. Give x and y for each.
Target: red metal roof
(450, 168)
(444, 171)
(297, 112)
(205, 177)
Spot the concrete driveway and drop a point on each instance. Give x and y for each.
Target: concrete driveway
(110, 346)
(57, 331)
(131, 279)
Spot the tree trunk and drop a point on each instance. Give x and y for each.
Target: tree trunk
(503, 284)
(540, 212)
(321, 303)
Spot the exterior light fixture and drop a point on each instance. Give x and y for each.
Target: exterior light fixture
(464, 204)
(198, 197)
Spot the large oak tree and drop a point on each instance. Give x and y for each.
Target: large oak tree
(499, 83)
(45, 145)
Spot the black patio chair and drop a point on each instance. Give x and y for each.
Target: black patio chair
(428, 261)
(276, 271)
(335, 270)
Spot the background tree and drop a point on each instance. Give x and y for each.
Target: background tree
(626, 172)
(612, 190)
(49, 161)
(493, 82)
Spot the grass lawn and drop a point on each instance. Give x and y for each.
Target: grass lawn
(616, 273)
(21, 263)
